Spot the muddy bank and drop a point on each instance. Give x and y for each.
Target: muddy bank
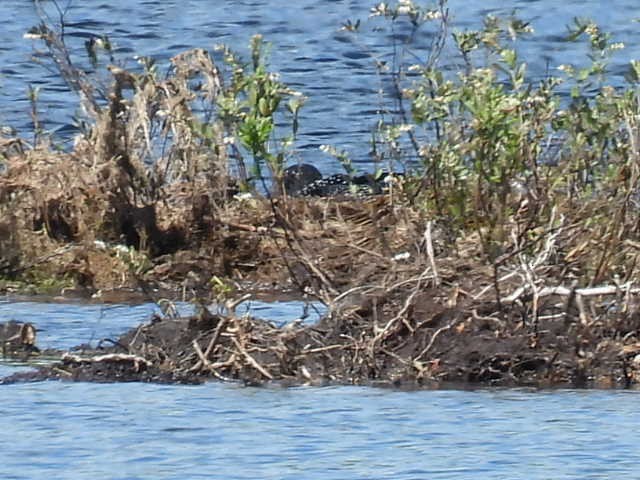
(412, 301)
(418, 339)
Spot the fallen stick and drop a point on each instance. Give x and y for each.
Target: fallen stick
(251, 360)
(212, 367)
(430, 253)
(246, 228)
(203, 360)
(110, 357)
(565, 292)
(320, 349)
(216, 334)
(432, 341)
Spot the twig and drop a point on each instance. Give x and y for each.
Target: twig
(111, 357)
(216, 334)
(431, 342)
(248, 228)
(320, 349)
(203, 360)
(353, 290)
(528, 271)
(250, 359)
(565, 292)
(232, 304)
(399, 316)
(430, 253)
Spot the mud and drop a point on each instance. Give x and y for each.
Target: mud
(382, 340)
(412, 301)
(530, 280)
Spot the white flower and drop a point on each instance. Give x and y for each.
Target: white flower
(379, 10)
(100, 244)
(243, 196)
(401, 256)
(433, 15)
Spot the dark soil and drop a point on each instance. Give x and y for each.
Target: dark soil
(431, 344)
(413, 302)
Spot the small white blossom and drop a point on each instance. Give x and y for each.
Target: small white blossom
(243, 196)
(379, 10)
(433, 15)
(591, 30)
(405, 127)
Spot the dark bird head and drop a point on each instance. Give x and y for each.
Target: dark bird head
(297, 177)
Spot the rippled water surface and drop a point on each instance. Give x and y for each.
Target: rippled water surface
(334, 69)
(135, 431)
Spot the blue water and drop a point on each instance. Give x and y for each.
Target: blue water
(66, 325)
(62, 430)
(136, 431)
(334, 69)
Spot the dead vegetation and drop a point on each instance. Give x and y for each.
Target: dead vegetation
(498, 269)
(409, 334)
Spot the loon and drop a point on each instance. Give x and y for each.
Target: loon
(305, 180)
(298, 177)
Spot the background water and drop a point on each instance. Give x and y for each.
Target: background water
(134, 431)
(334, 69)
(67, 325)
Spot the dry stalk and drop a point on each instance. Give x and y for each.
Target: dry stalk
(212, 343)
(203, 362)
(111, 357)
(540, 259)
(426, 349)
(430, 253)
(400, 316)
(252, 361)
(567, 292)
(529, 275)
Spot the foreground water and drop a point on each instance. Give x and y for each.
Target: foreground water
(138, 431)
(334, 69)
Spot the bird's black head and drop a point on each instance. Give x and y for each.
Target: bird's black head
(296, 177)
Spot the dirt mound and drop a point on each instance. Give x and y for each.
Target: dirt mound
(411, 302)
(420, 339)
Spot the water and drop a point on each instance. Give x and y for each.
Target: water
(66, 325)
(334, 69)
(136, 431)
